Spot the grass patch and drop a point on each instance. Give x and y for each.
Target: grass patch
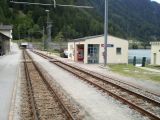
(154, 66)
(132, 71)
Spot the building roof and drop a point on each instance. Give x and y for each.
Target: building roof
(6, 27)
(90, 37)
(155, 43)
(4, 36)
(24, 43)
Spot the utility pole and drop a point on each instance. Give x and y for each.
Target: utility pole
(49, 26)
(19, 37)
(43, 38)
(105, 33)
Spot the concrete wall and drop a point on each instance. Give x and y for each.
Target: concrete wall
(5, 46)
(9, 34)
(112, 57)
(155, 49)
(118, 43)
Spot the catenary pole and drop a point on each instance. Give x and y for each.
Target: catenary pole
(49, 26)
(43, 38)
(105, 33)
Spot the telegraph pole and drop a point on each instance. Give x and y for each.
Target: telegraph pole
(105, 33)
(43, 40)
(49, 26)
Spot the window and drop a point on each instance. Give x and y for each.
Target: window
(93, 53)
(118, 51)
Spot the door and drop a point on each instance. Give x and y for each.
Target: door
(80, 53)
(93, 54)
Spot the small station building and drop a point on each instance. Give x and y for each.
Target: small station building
(91, 50)
(155, 53)
(5, 39)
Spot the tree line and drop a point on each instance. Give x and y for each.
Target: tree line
(129, 19)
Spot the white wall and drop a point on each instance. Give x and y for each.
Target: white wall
(9, 34)
(118, 43)
(112, 57)
(155, 48)
(72, 49)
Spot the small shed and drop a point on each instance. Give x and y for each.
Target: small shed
(4, 44)
(24, 45)
(155, 53)
(91, 50)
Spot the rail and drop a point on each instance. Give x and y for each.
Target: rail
(35, 113)
(136, 101)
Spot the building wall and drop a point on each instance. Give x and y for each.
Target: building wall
(118, 43)
(5, 46)
(72, 49)
(155, 49)
(9, 34)
(112, 57)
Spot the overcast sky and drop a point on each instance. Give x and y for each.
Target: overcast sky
(156, 1)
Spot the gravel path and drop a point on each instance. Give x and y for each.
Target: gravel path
(8, 75)
(22, 110)
(145, 84)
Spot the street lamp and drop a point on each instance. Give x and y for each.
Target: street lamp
(105, 32)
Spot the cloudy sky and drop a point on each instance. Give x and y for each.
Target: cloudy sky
(156, 1)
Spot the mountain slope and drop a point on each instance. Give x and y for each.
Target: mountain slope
(130, 19)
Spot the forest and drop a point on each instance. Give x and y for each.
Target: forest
(137, 20)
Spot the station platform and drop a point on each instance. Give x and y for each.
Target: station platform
(9, 66)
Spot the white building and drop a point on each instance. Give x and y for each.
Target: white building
(90, 50)
(155, 53)
(26, 45)
(7, 31)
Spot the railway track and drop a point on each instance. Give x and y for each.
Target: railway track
(46, 103)
(147, 106)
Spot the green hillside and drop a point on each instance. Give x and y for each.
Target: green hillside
(130, 19)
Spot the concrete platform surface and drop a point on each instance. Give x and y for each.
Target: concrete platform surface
(9, 65)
